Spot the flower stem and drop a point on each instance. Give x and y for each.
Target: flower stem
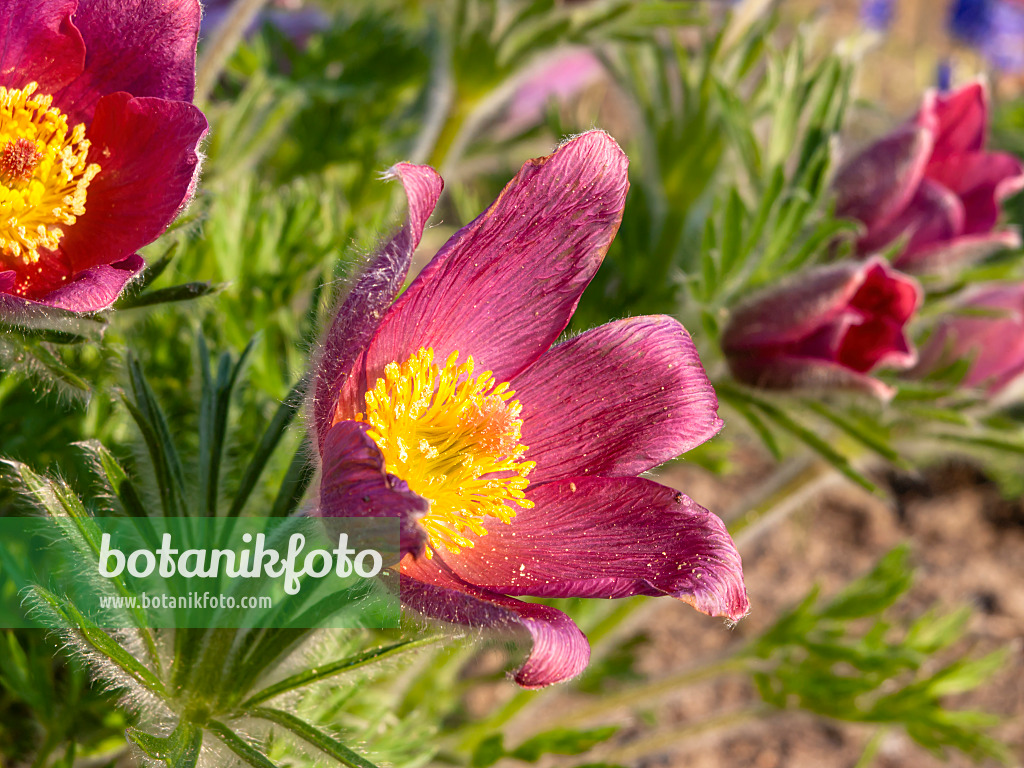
(224, 41)
(665, 738)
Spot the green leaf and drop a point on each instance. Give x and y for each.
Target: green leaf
(183, 292)
(156, 433)
(271, 438)
(488, 752)
(805, 435)
(181, 749)
(563, 741)
(324, 671)
(215, 403)
(873, 593)
(239, 746)
(67, 614)
(114, 478)
(313, 735)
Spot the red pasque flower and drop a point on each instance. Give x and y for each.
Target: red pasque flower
(98, 143)
(987, 328)
(932, 182)
(826, 328)
(514, 460)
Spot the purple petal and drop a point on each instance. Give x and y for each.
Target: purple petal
(958, 252)
(935, 215)
(609, 537)
(981, 180)
(994, 343)
(372, 293)
(144, 47)
(504, 287)
(147, 150)
(616, 400)
(97, 287)
(878, 182)
(38, 43)
(778, 372)
(558, 650)
(794, 308)
(354, 483)
(961, 120)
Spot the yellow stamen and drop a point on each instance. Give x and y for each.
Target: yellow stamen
(43, 173)
(454, 438)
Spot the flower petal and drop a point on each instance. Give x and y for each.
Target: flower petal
(779, 372)
(144, 47)
(354, 483)
(935, 215)
(558, 649)
(961, 119)
(616, 400)
(981, 180)
(794, 308)
(504, 287)
(371, 293)
(38, 43)
(95, 288)
(879, 181)
(609, 537)
(961, 251)
(147, 150)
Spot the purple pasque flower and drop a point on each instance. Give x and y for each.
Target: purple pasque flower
(986, 327)
(826, 328)
(932, 183)
(98, 143)
(514, 460)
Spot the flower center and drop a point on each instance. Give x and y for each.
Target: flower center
(43, 174)
(454, 438)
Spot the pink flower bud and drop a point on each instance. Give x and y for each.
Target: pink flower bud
(826, 328)
(932, 183)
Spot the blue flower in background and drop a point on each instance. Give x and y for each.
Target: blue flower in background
(1004, 45)
(970, 20)
(876, 14)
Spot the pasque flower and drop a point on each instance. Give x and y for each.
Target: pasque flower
(513, 460)
(826, 328)
(933, 183)
(98, 143)
(986, 328)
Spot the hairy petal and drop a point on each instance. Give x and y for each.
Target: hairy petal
(609, 537)
(954, 254)
(616, 400)
(558, 649)
(143, 47)
(355, 483)
(504, 287)
(96, 288)
(879, 181)
(788, 372)
(935, 215)
(794, 308)
(38, 43)
(371, 294)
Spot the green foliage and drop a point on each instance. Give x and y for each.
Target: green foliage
(845, 660)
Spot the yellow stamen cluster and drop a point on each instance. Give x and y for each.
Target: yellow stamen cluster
(454, 438)
(43, 173)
